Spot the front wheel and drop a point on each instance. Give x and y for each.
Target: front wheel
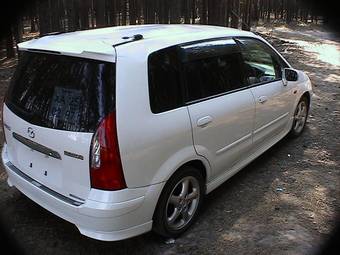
(179, 202)
(300, 118)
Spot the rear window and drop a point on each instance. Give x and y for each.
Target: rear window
(62, 92)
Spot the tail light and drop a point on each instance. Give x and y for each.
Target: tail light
(105, 164)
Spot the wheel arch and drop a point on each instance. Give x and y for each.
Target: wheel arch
(197, 164)
(307, 95)
(187, 156)
(200, 164)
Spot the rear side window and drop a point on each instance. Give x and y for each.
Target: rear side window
(164, 80)
(212, 68)
(62, 92)
(261, 63)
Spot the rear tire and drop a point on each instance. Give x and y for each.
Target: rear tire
(179, 203)
(300, 118)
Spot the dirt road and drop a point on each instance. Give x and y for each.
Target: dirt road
(285, 202)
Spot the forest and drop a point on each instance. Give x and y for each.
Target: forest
(47, 16)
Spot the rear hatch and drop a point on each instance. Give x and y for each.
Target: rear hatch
(52, 109)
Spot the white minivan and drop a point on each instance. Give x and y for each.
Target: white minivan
(123, 130)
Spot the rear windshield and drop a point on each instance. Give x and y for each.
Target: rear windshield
(62, 92)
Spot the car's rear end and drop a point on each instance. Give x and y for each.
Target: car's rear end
(61, 146)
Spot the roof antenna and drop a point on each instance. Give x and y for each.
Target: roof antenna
(133, 38)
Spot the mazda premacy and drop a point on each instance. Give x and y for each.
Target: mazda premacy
(124, 130)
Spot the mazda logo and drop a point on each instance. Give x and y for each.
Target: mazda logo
(30, 132)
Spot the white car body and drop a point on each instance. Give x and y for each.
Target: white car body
(152, 146)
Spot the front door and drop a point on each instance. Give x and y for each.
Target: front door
(263, 70)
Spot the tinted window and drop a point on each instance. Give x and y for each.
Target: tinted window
(261, 63)
(164, 80)
(62, 92)
(212, 68)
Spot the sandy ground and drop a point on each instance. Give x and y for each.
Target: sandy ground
(285, 202)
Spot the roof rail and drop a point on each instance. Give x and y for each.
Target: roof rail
(133, 38)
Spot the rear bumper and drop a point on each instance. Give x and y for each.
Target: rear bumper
(107, 216)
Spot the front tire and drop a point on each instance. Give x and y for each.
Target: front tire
(300, 118)
(179, 203)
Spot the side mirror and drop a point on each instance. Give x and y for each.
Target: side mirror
(290, 74)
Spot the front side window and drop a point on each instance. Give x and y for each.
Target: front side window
(212, 68)
(261, 63)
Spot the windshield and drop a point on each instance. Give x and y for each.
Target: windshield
(62, 92)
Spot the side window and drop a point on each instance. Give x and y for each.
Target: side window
(261, 63)
(212, 68)
(164, 80)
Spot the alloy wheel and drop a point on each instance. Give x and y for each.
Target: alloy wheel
(300, 116)
(182, 203)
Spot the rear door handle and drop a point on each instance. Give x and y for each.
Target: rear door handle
(262, 99)
(202, 122)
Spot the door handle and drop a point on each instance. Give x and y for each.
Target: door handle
(202, 122)
(262, 99)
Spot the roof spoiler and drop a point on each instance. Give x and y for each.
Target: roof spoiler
(44, 51)
(54, 33)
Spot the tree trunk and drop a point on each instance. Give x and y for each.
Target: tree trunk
(290, 10)
(223, 13)
(99, 8)
(9, 44)
(32, 15)
(245, 15)
(163, 12)
(235, 11)
(268, 10)
(111, 13)
(203, 13)
(212, 15)
(193, 11)
(132, 12)
(227, 12)
(149, 11)
(84, 6)
(215, 12)
(186, 11)
(256, 11)
(124, 12)
(54, 15)
(175, 12)
(44, 22)
(72, 12)
(18, 30)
